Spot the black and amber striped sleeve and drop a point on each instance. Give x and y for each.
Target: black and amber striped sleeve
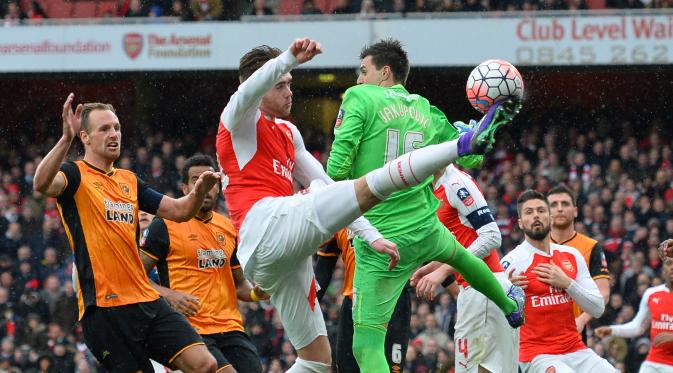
(598, 265)
(157, 241)
(72, 181)
(328, 255)
(330, 248)
(148, 198)
(234, 258)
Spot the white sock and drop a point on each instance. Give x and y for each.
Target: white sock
(411, 168)
(306, 366)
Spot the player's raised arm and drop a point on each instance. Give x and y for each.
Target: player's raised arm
(243, 104)
(186, 207)
(634, 328)
(48, 180)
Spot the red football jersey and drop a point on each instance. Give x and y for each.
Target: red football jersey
(267, 174)
(656, 312)
(550, 323)
(463, 210)
(255, 150)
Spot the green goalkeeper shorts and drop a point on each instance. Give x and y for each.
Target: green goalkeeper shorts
(375, 289)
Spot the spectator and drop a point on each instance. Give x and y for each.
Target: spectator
(13, 14)
(46, 236)
(309, 7)
(33, 333)
(65, 308)
(178, 9)
(432, 332)
(134, 9)
(31, 302)
(45, 364)
(344, 7)
(51, 292)
(448, 6)
(398, 6)
(12, 240)
(34, 12)
(473, 6)
(63, 359)
(259, 8)
(367, 10)
(421, 6)
(202, 10)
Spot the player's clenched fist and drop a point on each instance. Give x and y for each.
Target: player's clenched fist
(666, 248)
(603, 331)
(305, 49)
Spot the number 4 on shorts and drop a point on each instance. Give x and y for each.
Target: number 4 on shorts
(462, 346)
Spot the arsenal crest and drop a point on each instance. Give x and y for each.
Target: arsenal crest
(567, 265)
(133, 45)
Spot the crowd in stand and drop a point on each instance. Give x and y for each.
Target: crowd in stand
(13, 11)
(623, 181)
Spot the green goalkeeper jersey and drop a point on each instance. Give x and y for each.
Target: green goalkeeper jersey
(375, 125)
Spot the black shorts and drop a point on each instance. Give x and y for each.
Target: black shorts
(233, 349)
(124, 338)
(397, 337)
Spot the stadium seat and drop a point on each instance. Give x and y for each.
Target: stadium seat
(596, 4)
(286, 7)
(106, 7)
(84, 9)
(58, 8)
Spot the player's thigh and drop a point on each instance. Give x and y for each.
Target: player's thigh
(170, 334)
(483, 335)
(397, 337)
(470, 334)
(117, 351)
(650, 367)
(501, 352)
(294, 296)
(375, 289)
(440, 244)
(547, 364)
(293, 232)
(239, 350)
(345, 360)
(587, 360)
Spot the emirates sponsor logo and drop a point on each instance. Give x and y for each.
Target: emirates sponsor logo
(550, 300)
(133, 44)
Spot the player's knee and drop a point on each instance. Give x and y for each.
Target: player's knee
(365, 195)
(205, 364)
(210, 365)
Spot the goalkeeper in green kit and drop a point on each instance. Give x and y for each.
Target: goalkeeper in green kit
(378, 121)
